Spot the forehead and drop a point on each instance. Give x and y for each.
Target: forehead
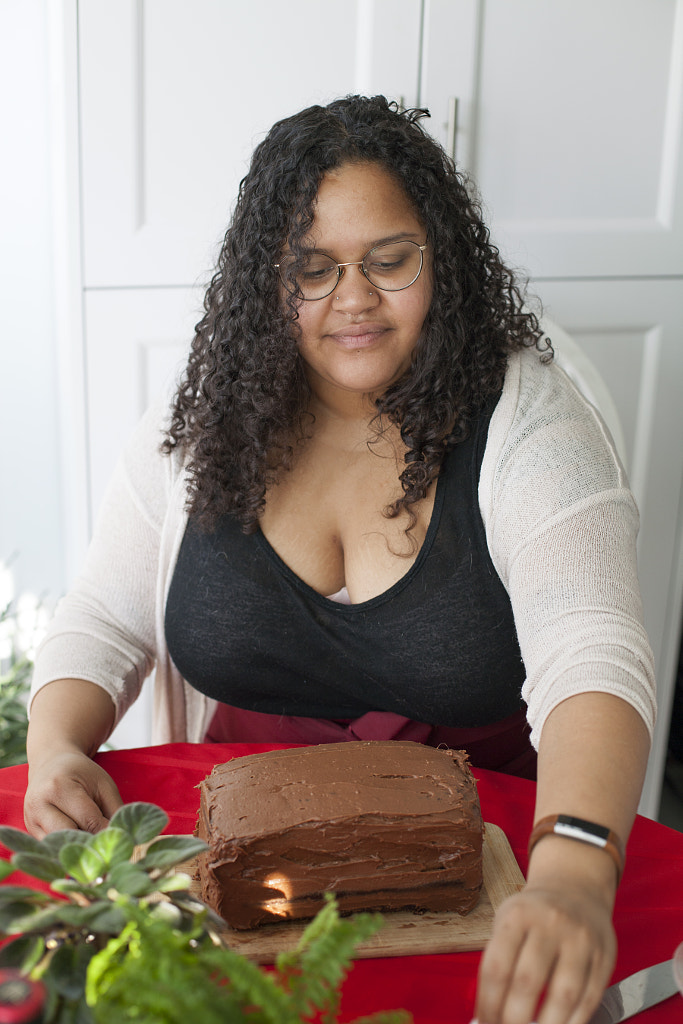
(360, 204)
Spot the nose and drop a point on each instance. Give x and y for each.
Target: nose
(354, 293)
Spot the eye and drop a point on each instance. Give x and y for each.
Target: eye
(315, 269)
(390, 259)
(385, 264)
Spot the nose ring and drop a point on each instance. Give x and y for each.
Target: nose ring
(339, 296)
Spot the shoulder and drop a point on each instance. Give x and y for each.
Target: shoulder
(541, 408)
(149, 475)
(542, 393)
(548, 448)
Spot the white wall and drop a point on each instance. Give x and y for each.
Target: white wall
(30, 503)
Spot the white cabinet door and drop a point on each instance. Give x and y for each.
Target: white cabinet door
(570, 119)
(175, 95)
(137, 343)
(633, 332)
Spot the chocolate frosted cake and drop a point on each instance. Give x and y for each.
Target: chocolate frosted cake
(382, 825)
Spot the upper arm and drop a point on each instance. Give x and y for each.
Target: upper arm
(562, 526)
(104, 628)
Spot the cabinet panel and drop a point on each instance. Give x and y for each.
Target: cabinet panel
(633, 332)
(137, 343)
(174, 97)
(572, 128)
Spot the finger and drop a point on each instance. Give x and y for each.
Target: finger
(496, 968)
(86, 813)
(47, 818)
(529, 976)
(567, 987)
(577, 1004)
(71, 798)
(108, 796)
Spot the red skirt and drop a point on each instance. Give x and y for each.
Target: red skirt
(503, 746)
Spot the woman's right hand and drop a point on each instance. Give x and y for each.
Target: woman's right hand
(69, 790)
(69, 721)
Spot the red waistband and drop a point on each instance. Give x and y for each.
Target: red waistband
(502, 746)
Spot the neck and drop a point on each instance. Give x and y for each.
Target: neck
(349, 421)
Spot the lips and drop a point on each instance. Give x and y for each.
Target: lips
(358, 335)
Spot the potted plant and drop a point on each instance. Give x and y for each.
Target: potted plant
(116, 940)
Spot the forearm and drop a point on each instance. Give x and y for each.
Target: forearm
(70, 719)
(591, 764)
(68, 714)
(556, 936)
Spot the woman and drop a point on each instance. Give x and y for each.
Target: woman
(379, 510)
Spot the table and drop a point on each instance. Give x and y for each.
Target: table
(436, 989)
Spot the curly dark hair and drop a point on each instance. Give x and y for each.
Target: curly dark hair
(241, 407)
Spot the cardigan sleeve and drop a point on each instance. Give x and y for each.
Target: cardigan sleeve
(561, 525)
(103, 629)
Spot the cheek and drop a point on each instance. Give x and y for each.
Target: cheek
(306, 323)
(420, 308)
(427, 290)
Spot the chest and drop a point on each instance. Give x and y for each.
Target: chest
(326, 520)
(436, 645)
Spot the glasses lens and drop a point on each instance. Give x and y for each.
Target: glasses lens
(313, 276)
(393, 266)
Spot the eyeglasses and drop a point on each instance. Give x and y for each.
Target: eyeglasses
(391, 268)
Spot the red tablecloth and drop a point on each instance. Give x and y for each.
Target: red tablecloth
(436, 989)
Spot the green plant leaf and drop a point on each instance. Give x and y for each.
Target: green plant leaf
(11, 893)
(386, 1017)
(67, 969)
(143, 822)
(253, 986)
(38, 865)
(23, 953)
(13, 911)
(171, 984)
(113, 845)
(168, 913)
(6, 869)
(81, 862)
(50, 1009)
(54, 841)
(177, 882)
(69, 1011)
(27, 919)
(130, 879)
(103, 916)
(7, 760)
(20, 842)
(68, 885)
(171, 850)
(314, 971)
(83, 1014)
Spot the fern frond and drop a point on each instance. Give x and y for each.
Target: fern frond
(322, 958)
(386, 1017)
(252, 986)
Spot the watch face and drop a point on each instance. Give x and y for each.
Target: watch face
(583, 826)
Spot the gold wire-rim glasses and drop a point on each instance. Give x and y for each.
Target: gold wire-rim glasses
(327, 263)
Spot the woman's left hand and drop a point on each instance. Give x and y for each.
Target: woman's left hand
(553, 946)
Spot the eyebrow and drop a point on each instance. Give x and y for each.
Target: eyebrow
(387, 240)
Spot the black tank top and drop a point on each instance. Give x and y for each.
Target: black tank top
(439, 646)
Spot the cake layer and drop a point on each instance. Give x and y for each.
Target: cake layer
(383, 826)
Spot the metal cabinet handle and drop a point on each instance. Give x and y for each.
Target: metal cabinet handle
(452, 128)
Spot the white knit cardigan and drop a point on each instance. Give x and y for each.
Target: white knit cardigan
(561, 526)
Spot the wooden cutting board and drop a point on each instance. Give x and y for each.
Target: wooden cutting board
(404, 933)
